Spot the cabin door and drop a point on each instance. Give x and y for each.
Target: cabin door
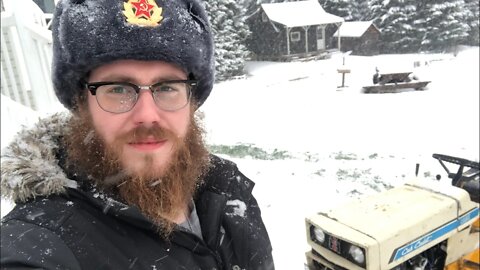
(320, 38)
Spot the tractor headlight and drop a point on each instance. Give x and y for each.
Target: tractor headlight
(318, 234)
(349, 251)
(357, 254)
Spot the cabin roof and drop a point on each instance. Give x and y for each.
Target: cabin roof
(300, 13)
(353, 29)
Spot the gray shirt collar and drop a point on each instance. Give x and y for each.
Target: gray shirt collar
(192, 223)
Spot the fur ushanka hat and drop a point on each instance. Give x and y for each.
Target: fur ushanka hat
(89, 33)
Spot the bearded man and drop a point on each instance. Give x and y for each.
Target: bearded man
(124, 181)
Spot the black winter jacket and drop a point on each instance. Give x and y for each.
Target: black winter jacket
(61, 224)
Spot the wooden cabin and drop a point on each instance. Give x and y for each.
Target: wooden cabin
(288, 30)
(360, 37)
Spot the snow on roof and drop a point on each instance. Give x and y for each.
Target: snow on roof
(353, 29)
(300, 13)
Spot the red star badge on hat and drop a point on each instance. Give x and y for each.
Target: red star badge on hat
(142, 12)
(142, 8)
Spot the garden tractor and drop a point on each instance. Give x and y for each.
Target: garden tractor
(424, 224)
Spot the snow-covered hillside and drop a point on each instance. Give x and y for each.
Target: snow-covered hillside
(309, 145)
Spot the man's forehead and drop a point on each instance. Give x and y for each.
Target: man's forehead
(133, 70)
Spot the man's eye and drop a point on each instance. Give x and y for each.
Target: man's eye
(166, 88)
(117, 90)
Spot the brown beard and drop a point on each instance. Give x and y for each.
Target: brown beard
(160, 193)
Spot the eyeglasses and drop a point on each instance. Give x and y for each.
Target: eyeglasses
(120, 97)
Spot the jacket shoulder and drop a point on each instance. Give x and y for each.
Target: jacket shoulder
(48, 212)
(245, 240)
(224, 177)
(29, 237)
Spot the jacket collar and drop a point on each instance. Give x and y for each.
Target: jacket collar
(30, 165)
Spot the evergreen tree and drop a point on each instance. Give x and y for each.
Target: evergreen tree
(250, 6)
(362, 10)
(396, 24)
(230, 32)
(445, 27)
(472, 19)
(347, 9)
(341, 8)
(376, 11)
(421, 26)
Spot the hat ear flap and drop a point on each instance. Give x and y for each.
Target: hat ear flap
(196, 14)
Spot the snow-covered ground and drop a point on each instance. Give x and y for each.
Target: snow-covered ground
(313, 145)
(342, 143)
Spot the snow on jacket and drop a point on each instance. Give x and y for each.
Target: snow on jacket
(60, 223)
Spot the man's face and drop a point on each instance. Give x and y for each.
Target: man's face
(151, 158)
(140, 150)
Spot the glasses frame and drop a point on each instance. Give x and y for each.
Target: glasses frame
(93, 86)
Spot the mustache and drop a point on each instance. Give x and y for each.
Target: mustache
(142, 133)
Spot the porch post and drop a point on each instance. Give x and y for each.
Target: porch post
(306, 37)
(288, 40)
(339, 39)
(324, 38)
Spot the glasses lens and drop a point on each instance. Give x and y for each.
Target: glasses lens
(116, 98)
(171, 96)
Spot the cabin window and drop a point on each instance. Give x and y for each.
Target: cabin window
(264, 17)
(319, 32)
(295, 36)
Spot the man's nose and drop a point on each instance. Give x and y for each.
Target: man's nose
(146, 111)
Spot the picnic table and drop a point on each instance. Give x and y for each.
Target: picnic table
(393, 77)
(393, 82)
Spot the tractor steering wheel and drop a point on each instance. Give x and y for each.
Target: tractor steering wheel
(458, 161)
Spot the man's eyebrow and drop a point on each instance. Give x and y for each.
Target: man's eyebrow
(170, 77)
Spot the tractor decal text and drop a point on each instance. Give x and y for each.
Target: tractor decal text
(398, 253)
